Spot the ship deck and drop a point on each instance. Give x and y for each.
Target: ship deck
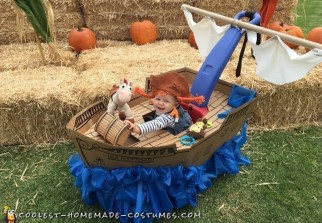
(217, 104)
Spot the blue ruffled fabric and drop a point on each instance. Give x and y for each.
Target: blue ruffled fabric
(240, 95)
(159, 190)
(154, 190)
(237, 97)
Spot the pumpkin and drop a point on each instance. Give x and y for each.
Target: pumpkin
(81, 38)
(292, 30)
(314, 35)
(276, 26)
(143, 32)
(192, 41)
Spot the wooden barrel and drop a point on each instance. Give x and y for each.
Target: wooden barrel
(112, 129)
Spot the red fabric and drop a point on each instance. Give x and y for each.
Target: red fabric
(267, 10)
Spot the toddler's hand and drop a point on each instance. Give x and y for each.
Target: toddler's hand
(134, 128)
(130, 124)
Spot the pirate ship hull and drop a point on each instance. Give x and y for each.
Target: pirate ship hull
(159, 148)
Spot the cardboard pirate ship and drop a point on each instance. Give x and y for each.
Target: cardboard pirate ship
(123, 149)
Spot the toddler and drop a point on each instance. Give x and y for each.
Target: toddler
(167, 91)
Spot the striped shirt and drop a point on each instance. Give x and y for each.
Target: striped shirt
(160, 122)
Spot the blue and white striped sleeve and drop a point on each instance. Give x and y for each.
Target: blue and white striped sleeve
(158, 123)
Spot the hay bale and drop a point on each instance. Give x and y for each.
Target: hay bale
(19, 57)
(116, 26)
(229, 8)
(8, 28)
(112, 33)
(63, 27)
(66, 14)
(105, 17)
(34, 98)
(34, 104)
(285, 11)
(113, 60)
(133, 6)
(26, 56)
(173, 32)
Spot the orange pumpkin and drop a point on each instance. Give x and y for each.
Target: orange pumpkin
(314, 35)
(276, 26)
(80, 39)
(143, 32)
(287, 29)
(192, 41)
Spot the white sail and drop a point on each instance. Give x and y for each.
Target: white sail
(276, 62)
(206, 32)
(279, 64)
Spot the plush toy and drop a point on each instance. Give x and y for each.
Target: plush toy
(10, 216)
(119, 97)
(197, 130)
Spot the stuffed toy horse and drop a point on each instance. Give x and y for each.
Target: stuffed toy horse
(119, 97)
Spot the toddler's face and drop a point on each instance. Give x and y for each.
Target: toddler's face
(163, 103)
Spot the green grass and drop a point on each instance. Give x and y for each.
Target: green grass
(283, 183)
(309, 14)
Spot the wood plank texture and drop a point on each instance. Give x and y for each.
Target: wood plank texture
(217, 104)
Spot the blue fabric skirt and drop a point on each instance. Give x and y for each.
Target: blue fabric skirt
(126, 191)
